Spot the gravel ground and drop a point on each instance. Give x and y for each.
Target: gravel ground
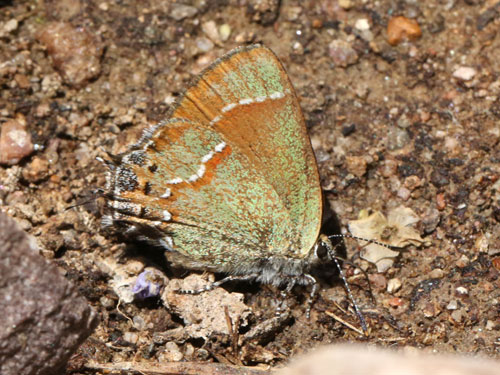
(401, 99)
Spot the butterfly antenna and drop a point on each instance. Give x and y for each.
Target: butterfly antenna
(331, 250)
(363, 239)
(96, 193)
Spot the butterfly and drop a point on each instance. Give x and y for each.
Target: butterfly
(228, 183)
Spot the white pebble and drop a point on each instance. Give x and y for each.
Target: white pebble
(362, 24)
(453, 305)
(464, 73)
(393, 285)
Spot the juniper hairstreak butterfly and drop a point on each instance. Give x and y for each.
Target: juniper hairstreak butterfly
(229, 182)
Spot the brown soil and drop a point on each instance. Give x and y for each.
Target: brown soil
(393, 127)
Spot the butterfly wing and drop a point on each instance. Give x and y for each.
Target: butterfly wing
(231, 176)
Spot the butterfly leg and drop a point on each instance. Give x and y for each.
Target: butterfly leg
(217, 283)
(310, 280)
(285, 293)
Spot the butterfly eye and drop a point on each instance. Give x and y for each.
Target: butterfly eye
(321, 252)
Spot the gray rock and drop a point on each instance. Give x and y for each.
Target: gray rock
(44, 319)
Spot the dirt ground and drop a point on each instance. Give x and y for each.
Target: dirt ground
(414, 123)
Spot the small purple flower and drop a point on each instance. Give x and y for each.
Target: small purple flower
(148, 284)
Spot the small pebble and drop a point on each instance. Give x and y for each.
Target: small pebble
(15, 142)
(496, 263)
(425, 116)
(461, 290)
(139, 323)
(348, 129)
(75, 51)
(342, 53)
(356, 165)
(402, 28)
(412, 182)
(210, 29)
(482, 244)
(440, 202)
(430, 310)
(51, 84)
(202, 354)
(395, 302)
(131, 337)
(389, 168)
(362, 90)
(393, 285)
(464, 73)
(345, 4)
(172, 353)
(181, 11)
(8, 27)
(104, 6)
(404, 193)
(188, 350)
(204, 44)
(36, 170)
(134, 267)
(264, 12)
(430, 220)
(362, 24)
(452, 145)
(22, 81)
(317, 23)
(378, 281)
(462, 262)
(224, 32)
(397, 138)
(453, 305)
(404, 122)
(292, 13)
(490, 325)
(107, 303)
(42, 110)
(457, 315)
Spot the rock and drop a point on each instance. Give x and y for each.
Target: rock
(75, 52)
(172, 353)
(362, 24)
(356, 165)
(8, 27)
(37, 170)
(204, 44)
(181, 11)
(430, 220)
(15, 142)
(210, 29)
(342, 53)
(440, 202)
(402, 28)
(44, 319)
(264, 12)
(393, 285)
(378, 281)
(224, 32)
(464, 73)
(345, 4)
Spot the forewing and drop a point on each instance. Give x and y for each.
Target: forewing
(231, 176)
